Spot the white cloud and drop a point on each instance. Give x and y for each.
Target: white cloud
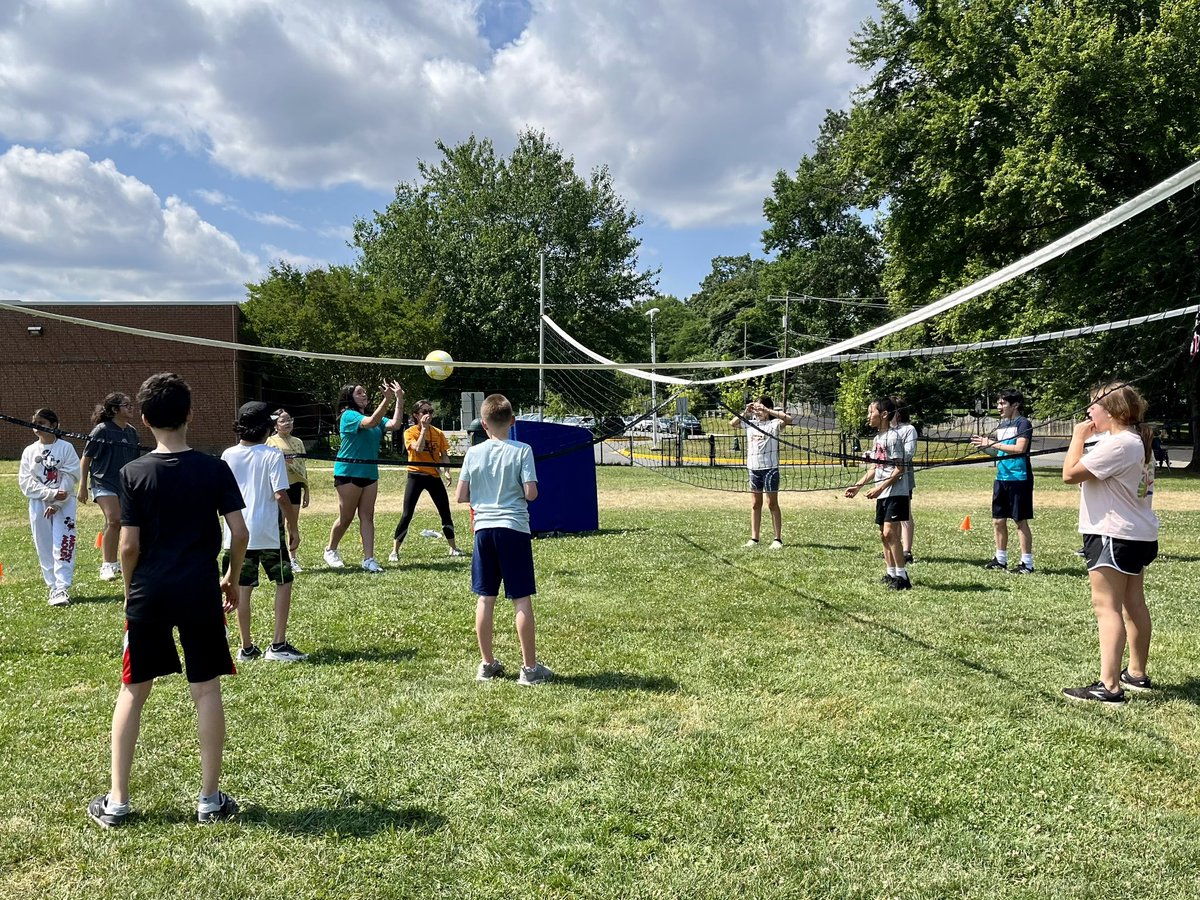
(693, 104)
(297, 260)
(73, 228)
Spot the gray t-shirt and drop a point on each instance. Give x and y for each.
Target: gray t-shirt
(889, 447)
(110, 447)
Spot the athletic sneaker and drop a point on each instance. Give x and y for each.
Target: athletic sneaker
(98, 812)
(59, 597)
(1135, 684)
(539, 674)
(1081, 552)
(753, 542)
(1023, 569)
(393, 556)
(296, 567)
(908, 557)
(333, 559)
(227, 808)
(900, 583)
(776, 545)
(369, 565)
(488, 671)
(457, 552)
(284, 652)
(1095, 692)
(887, 579)
(110, 571)
(245, 654)
(996, 564)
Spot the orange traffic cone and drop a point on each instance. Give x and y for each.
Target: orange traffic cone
(1, 570)
(966, 525)
(99, 539)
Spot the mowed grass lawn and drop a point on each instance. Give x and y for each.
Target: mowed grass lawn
(726, 722)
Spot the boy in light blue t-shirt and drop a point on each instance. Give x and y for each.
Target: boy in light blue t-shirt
(499, 480)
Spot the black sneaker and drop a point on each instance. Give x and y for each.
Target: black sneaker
(996, 564)
(900, 583)
(98, 812)
(1023, 569)
(1136, 684)
(887, 580)
(245, 654)
(1095, 692)
(227, 810)
(908, 557)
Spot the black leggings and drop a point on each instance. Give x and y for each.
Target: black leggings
(412, 493)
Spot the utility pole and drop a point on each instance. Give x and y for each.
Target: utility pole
(786, 298)
(541, 334)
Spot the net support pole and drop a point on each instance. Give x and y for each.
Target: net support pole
(541, 334)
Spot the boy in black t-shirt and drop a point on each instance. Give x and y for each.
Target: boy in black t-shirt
(170, 538)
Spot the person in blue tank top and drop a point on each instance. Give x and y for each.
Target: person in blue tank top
(355, 473)
(1012, 493)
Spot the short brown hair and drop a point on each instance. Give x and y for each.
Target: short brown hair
(496, 410)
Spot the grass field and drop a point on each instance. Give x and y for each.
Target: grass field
(726, 722)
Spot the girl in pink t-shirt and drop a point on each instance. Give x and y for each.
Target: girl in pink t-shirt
(1120, 532)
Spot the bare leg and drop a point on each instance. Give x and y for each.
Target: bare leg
(283, 607)
(1000, 526)
(210, 725)
(111, 507)
(1025, 536)
(893, 553)
(906, 535)
(526, 631)
(484, 609)
(1137, 624)
(1108, 591)
(776, 515)
(366, 518)
(756, 499)
(126, 723)
(348, 497)
(243, 615)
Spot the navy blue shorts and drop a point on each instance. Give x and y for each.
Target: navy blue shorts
(503, 555)
(1012, 500)
(764, 480)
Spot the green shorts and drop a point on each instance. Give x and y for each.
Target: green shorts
(275, 563)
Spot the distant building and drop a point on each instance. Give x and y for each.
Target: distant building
(69, 367)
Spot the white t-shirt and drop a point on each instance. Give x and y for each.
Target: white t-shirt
(497, 472)
(260, 471)
(908, 434)
(762, 443)
(1117, 502)
(890, 446)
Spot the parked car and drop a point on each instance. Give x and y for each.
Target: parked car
(690, 425)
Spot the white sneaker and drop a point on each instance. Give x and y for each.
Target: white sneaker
(750, 543)
(457, 552)
(284, 652)
(370, 565)
(393, 556)
(296, 567)
(776, 545)
(59, 597)
(110, 571)
(333, 559)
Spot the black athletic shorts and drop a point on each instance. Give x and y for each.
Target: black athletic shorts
(1012, 500)
(892, 509)
(1129, 557)
(295, 493)
(276, 563)
(149, 650)
(339, 480)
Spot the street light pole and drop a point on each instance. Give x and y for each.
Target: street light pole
(541, 334)
(653, 384)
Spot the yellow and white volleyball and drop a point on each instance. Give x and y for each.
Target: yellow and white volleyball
(438, 365)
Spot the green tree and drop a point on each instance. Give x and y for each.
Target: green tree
(986, 130)
(467, 234)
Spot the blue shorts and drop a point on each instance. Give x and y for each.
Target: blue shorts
(503, 555)
(1012, 500)
(764, 480)
(98, 492)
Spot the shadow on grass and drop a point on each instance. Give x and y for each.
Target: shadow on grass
(353, 816)
(957, 586)
(107, 598)
(619, 681)
(331, 656)
(1188, 690)
(810, 546)
(862, 621)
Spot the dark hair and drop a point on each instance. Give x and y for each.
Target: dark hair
(766, 401)
(885, 405)
(165, 400)
(255, 435)
(346, 399)
(901, 414)
(421, 407)
(1013, 398)
(275, 418)
(48, 414)
(105, 411)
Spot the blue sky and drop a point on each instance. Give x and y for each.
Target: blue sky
(173, 149)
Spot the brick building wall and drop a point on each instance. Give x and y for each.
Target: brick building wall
(70, 367)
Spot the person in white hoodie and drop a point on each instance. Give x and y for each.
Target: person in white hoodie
(48, 474)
